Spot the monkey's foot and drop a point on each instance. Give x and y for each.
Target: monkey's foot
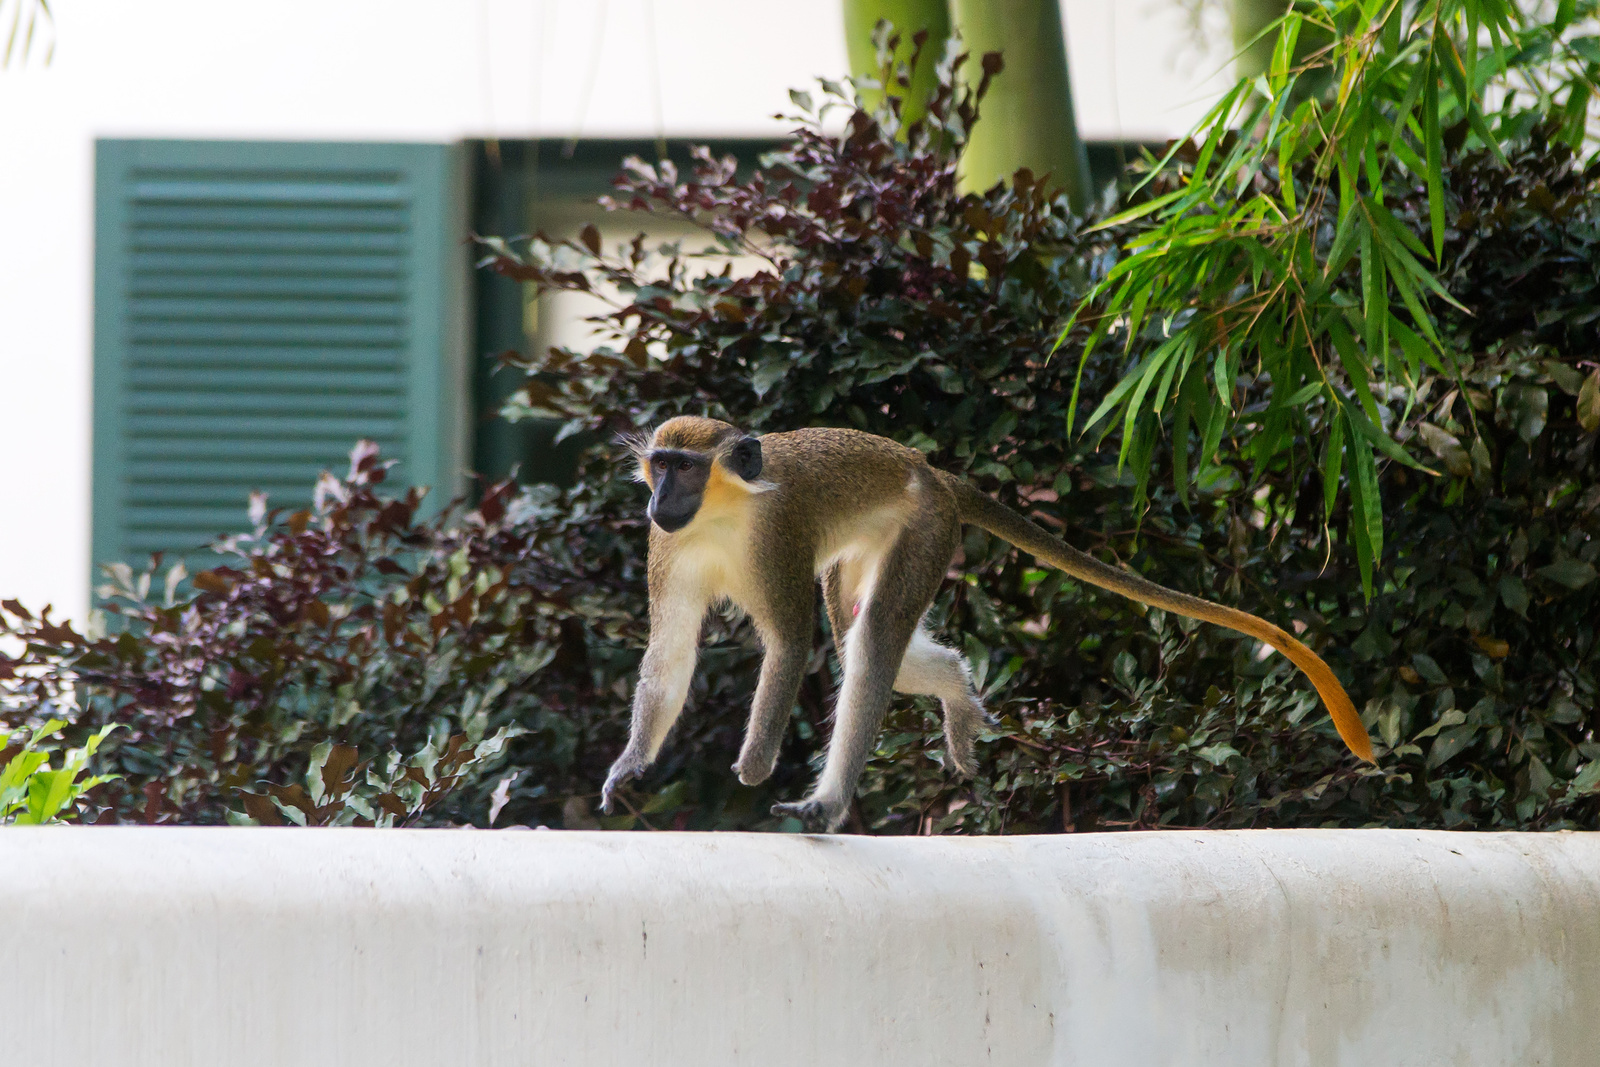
(625, 770)
(960, 759)
(817, 816)
(962, 721)
(754, 771)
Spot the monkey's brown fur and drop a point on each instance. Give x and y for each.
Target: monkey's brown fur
(758, 521)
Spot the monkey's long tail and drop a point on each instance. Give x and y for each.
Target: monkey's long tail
(984, 511)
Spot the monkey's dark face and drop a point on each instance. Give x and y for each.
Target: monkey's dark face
(679, 483)
(679, 479)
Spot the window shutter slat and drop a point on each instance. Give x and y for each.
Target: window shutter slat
(259, 308)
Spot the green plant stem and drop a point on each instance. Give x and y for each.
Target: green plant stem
(1028, 119)
(908, 17)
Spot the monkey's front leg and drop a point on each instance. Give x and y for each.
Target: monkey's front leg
(785, 626)
(664, 677)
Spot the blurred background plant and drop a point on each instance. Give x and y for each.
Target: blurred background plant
(28, 30)
(352, 652)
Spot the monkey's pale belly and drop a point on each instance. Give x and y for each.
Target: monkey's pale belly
(860, 548)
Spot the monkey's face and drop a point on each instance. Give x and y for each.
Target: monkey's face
(680, 478)
(678, 483)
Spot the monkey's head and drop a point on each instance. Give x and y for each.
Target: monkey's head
(690, 462)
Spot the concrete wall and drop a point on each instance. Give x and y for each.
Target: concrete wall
(177, 947)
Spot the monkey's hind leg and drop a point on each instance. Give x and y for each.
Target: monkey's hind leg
(876, 643)
(931, 669)
(834, 595)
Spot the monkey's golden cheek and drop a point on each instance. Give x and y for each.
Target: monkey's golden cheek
(721, 495)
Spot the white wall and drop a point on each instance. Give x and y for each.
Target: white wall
(216, 947)
(429, 70)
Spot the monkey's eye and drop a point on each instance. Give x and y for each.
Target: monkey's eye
(685, 465)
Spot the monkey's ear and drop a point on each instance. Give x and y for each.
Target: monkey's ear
(745, 459)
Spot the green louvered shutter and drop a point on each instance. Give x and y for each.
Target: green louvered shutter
(259, 307)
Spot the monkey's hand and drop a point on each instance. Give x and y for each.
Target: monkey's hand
(626, 769)
(817, 816)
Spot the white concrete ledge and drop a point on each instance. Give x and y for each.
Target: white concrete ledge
(177, 947)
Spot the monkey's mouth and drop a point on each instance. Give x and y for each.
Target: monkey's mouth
(669, 521)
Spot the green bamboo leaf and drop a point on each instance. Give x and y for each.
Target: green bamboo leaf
(1419, 315)
(1143, 447)
(1575, 114)
(1141, 210)
(1374, 299)
(1375, 437)
(1135, 407)
(1286, 147)
(1351, 228)
(1136, 315)
(1283, 53)
(1095, 337)
(1304, 395)
(1407, 156)
(1191, 392)
(1218, 114)
(1332, 462)
(1344, 344)
(1470, 60)
(1223, 375)
(1127, 384)
(1223, 110)
(1366, 518)
(1177, 367)
(1434, 143)
(1481, 128)
(1402, 115)
(1416, 350)
(1397, 253)
(1391, 228)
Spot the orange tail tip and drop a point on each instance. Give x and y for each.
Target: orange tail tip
(1334, 698)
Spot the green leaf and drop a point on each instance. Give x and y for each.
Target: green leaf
(1223, 111)
(1451, 717)
(1354, 366)
(1352, 227)
(1434, 145)
(1217, 754)
(1141, 210)
(1589, 403)
(1572, 573)
(1383, 442)
(1514, 594)
(1428, 668)
(1447, 447)
(1587, 47)
(1587, 780)
(1449, 744)
(1366, 517)
(1332, 462)
(1374, 300)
